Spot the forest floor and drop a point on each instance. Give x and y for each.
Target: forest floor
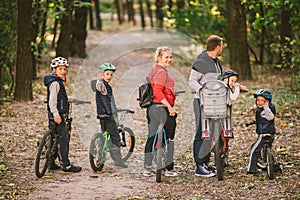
(23, 124)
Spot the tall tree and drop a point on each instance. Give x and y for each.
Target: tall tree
(148, 4)
(98, 16)
(23, 90)
(64, 41)
(79, 33)
(143, 23)
(159, 12)
(237, 38)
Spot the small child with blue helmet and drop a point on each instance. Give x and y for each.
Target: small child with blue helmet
(106, 110)
(265, 125)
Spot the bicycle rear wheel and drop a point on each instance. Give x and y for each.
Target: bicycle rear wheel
(127, 143)
(270, 163)
(97, 155)
(44, 155)
(219, 152)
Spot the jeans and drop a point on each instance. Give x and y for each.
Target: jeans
(63, 140)
(201, 148)
(154, 114)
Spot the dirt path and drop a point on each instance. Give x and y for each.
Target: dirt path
(132, 53)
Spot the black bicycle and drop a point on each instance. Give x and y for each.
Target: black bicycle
(266, 160)
(101, 143)
(48, 148)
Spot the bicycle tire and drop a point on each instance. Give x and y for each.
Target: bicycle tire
(159, 156)
(96, 154)
(44, 154)
(127, 143)
(270, 163)
(218, 151)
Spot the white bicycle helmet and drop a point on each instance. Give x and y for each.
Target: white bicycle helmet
(59, 61)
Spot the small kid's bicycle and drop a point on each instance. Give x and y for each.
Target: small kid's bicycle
(48, 148)
(266, 160)
(101, 143)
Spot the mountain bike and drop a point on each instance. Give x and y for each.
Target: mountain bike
(266, 160)
(160, 144)
(101, 143)
(216, 121)
(48, 147)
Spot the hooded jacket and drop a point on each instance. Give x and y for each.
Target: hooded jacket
(265, 122)
(62, 97)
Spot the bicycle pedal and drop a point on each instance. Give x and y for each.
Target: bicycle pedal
(205, 135)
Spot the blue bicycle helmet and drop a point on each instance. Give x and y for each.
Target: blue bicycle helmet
(264, 93)
(107, 66)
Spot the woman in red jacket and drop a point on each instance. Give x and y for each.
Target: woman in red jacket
(164, 95)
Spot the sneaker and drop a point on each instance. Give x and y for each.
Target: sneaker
(72, 169)
(54, 166)
(210, 167)
(121, 164)
(171, 172)
(148, 172)
(202, 171)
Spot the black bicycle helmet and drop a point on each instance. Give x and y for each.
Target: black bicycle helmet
(229, 73)
(107, 66)
(264, 93)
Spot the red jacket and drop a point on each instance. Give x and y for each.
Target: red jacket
(162, 85)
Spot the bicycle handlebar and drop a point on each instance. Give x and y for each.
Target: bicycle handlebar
(126, 110)
(179, 92)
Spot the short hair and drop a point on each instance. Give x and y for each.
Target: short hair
(212, 42)
(159, 51)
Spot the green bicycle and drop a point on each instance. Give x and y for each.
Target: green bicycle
(101, 143)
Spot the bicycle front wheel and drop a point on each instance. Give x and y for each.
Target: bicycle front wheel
(159, 156)
(97, 155)
(44, 155)
(219, 151)
(127, 143)
(270, 163)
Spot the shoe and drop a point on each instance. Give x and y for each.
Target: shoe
(72, 169)
(121, 164)
(54, 166)
(202, 171)
(210, 167)
(171, 172)
(148, 172)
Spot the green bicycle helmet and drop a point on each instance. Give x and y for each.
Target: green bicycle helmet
(228, 73)
(107, 66)
(264, 93)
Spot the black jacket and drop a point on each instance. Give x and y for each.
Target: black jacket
(62, 98)
(262, 124)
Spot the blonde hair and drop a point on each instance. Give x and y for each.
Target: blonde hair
(159, 51)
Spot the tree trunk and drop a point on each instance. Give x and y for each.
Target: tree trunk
(237, 39)
(79, 32)
(148, 3)
(91, 16)
(143, 23)
(159, 12)
(285, 34)
(119, 13)
(23, 90)
(64, 42)
(98, 16)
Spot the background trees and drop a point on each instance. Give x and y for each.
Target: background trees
(256, 32)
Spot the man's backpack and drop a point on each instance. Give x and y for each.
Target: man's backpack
(145, 94)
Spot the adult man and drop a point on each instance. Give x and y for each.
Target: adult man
(206, 62)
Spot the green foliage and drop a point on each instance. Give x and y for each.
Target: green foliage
(8, 45)
(199, 20)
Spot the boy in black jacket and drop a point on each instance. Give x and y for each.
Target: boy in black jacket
(106, 110)
(265, 124)
(58, 106)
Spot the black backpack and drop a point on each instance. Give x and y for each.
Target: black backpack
(145, 93)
